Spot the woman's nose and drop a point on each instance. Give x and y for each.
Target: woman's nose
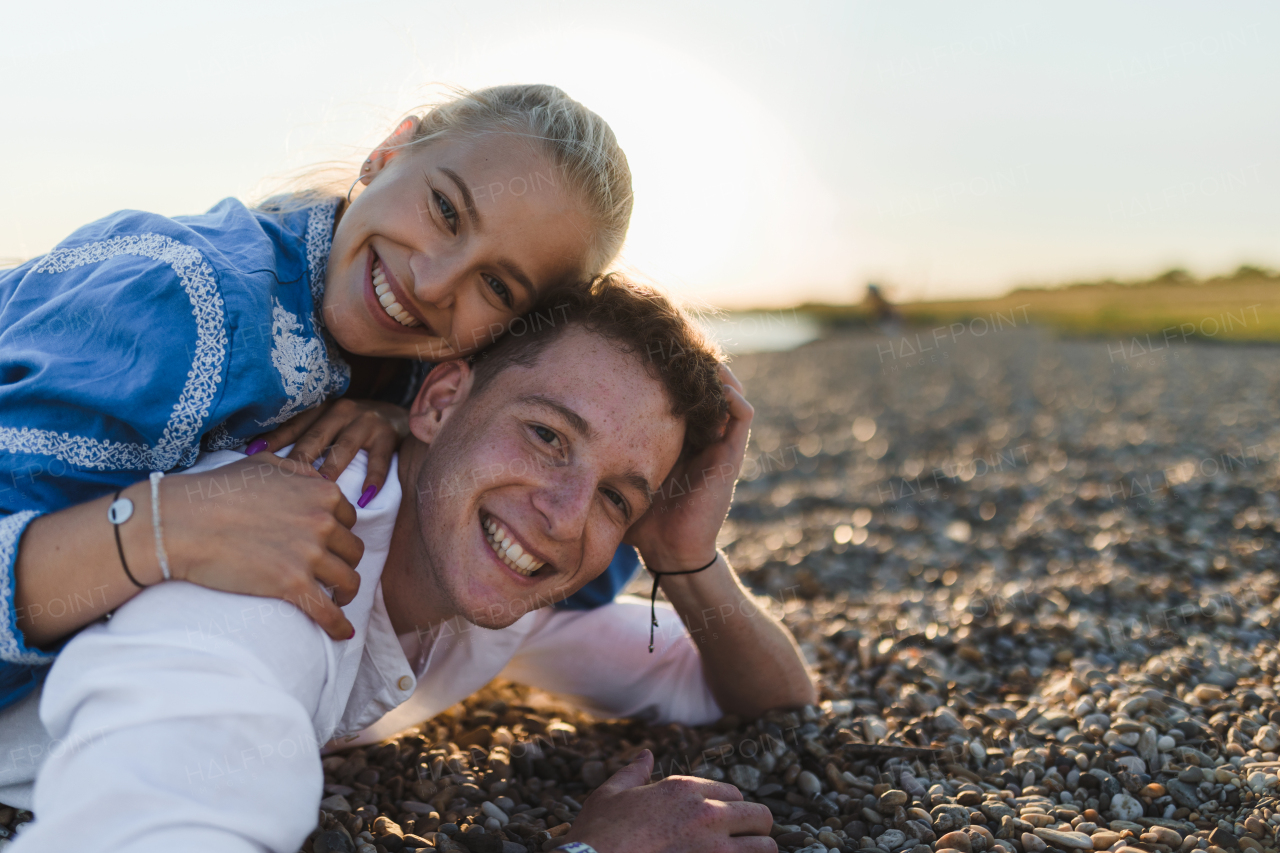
(436, 280)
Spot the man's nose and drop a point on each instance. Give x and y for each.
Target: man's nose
(436, 278)
(564, 503)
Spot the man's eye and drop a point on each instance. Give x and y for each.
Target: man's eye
(447, 212)
(547, 435)
(617, 499)
(500, 290)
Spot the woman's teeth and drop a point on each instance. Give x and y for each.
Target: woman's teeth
(388, 299)
(508, 550)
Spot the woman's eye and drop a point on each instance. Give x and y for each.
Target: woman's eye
(547, 435)
(500, 290)
(447, 212)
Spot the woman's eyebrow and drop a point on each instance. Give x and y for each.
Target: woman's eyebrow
(521, 279)
(468, 201)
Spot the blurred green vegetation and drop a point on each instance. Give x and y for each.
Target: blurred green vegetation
(1241, 306)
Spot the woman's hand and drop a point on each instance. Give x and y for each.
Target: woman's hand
(679, 531)
(338, 430)
(265, 526)
(259, 526)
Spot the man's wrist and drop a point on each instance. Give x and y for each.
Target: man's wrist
(683, 564)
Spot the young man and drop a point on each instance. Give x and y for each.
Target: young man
(190, 720)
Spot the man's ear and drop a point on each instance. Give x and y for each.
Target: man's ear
(389, 148)
(445, 389)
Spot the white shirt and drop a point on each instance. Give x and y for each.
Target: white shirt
(192, 719)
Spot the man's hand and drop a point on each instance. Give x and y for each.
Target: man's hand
(680, 814)
(679, 531)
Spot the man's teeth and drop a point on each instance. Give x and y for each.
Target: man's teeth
(388, 299)
(510, 551)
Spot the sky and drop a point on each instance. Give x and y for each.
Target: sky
(780, 152)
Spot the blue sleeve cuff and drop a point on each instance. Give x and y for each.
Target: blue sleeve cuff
(12, 649)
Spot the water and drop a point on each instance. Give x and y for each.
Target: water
(740, 332)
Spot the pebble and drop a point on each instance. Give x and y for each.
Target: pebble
(1103, 839)
(955, 840)
(1065, 840)
(1125, 807)
(892, 839)
(333, 841)
(594, 773)
(893, 797)
(808, 783)
(1032, 843)
(494, 812)
(745, 777)
(1162, 835)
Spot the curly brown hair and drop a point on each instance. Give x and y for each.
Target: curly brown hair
(637, 319)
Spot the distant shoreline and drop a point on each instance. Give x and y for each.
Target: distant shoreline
(1241, 307)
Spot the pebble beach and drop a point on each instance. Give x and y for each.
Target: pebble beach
(1034, 577)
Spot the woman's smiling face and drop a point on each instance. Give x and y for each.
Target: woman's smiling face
(449, 241)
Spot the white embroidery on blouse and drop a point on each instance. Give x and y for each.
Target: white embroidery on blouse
(178, 444)
(300, 361)
(309, 365)
(11, 527)
(220, 438)
(319, 242)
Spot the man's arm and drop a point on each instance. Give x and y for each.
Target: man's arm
(751, 662)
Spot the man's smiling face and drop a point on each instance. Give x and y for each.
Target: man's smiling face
(529, 483)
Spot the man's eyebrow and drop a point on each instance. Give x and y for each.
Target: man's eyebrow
(468, 200)
(641, 485)
(575, 420)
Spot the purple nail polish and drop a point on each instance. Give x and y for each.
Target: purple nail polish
(366, 496)
(256, 446)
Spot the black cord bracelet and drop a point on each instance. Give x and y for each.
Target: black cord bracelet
(115, 525)
(653, 597)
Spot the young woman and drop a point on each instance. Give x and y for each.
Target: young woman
(141, 340)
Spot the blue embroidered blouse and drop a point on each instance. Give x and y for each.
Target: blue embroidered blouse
(141, 340)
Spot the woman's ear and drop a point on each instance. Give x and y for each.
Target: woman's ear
(445, 389)
(389, 148)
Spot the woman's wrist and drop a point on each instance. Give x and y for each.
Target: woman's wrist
(137, 537)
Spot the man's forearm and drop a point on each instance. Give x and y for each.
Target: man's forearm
(751, 662)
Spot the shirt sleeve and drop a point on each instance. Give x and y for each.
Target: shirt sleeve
(15, 655)
(184, 723)
(112, 356)
(599, 659)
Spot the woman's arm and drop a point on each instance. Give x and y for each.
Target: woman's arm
(260, 526)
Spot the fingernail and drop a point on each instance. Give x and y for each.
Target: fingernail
(256, 446)
(353, 633)
(366, 496)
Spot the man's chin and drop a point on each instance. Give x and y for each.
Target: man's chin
(496, 612)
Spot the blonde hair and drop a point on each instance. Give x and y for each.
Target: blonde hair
(580, 144)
